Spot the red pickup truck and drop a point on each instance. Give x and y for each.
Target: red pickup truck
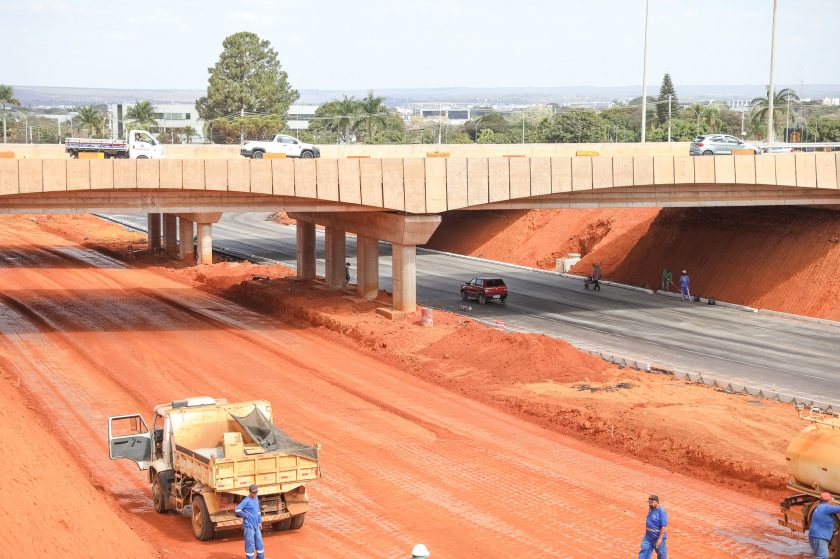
(484, 289)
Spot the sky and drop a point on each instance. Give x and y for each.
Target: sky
(377, 44)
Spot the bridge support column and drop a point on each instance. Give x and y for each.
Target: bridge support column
(305, 250)
(404, 279)
(185, 232)
(335, 258)
(170, 235)
(205, 243)
(367, 267)
(153, 227)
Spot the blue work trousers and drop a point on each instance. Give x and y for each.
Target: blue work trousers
(820, 547)
(253, 543)
(648, 547)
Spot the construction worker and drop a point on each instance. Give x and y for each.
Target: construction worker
(346, 273)
(822, 526)
(656, 531)
(249, 510)
(685, 284)
(419, 551)
(667, 279)
(596, 277)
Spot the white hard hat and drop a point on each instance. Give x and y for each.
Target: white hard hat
(419, 550)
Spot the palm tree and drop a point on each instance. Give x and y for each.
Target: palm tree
(188, 132)
(142, 116)
(761, 106)
(91, 119)
(372, 111)
(710, 116)
(7, 97)
(345, 120)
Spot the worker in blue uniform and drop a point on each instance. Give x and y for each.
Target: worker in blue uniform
(249, 510)
(821, 529)
(656, 531)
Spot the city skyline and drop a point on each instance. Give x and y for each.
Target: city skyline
(430, 44)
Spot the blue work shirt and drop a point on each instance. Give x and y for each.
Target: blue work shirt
(249, 510)
(656, 519)
(822, 521)
(684, 281)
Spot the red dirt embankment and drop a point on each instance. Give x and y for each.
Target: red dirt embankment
(779, 258)
(680, 426)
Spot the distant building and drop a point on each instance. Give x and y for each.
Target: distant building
(299, 116)
(831, 101)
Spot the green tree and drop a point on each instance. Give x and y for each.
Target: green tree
(489, 121)
(247, 78)
(662, 106)
(487, 136)
(340, 116)
(761, 108)
(825, 128)
(372, 111)
(682, 130)
(141, 115)
(92, 120)
(577, 126)
(7, 97)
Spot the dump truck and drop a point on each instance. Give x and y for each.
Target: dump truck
(138, 144)
(201, 454)
(813, 463)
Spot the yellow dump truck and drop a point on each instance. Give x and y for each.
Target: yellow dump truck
(813, 463)
(203, 453)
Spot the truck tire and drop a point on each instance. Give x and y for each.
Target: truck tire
(307, 154)
(283, 525)
(160, 491)
(482, 299)
(142, 157)
(257, 155)
(203, 528)
(297, 521)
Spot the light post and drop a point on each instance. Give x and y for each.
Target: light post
(475, 139)
(771, 94)
(644, 75)
(696, 112)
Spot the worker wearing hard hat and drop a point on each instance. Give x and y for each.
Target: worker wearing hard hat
(249, 510)
(822, 525)
(419, 551)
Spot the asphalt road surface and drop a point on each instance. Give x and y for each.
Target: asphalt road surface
(791, 357)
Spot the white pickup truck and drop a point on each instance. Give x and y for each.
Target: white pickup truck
(288, 145)
(138, 144)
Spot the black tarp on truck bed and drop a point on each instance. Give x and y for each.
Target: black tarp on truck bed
(271, 438)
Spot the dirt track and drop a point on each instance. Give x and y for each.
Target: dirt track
(404, 460)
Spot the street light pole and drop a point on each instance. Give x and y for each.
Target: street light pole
(644, 75)
(771, 94)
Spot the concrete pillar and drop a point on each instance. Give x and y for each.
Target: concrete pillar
(205, 243)
(170, 235)
(336, 257)
(367, 267)
(305, 250)
(153, 228)
(185, 232)
(404, 280)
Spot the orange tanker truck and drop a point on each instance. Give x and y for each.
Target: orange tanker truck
(813, 463)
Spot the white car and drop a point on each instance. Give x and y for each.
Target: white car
(288, 145)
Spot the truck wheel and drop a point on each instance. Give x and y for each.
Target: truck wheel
(283, 525)
(482, 299)
(142, 157)
(257, 155)
(203, 528)
(297, 521)
(160, 492)
(307, 155)
(464, 295)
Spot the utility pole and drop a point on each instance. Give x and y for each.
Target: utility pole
(743, 132)
(440, 121)
(523, 126)
(241, 130)
(644, 75)
(669, 118)
(58, 121)
(771, 94)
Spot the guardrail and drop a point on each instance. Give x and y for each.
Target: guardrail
(799, 145)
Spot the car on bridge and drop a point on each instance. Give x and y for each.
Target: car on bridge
(719, 144)
(288, 146)
(484, 289)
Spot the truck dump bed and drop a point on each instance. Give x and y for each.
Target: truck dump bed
(228, 447)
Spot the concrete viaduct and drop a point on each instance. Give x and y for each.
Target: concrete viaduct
(397, 199)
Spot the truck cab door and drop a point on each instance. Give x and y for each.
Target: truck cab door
(129, 437)
(291, 147)
(142, 146)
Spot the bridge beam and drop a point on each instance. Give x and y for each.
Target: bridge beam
(367, 267)
(305, 250)
(385, 226)
(186, 233)
(336, 253)
(153, 227)
(170, 235)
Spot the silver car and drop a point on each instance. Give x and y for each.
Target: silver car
(719, 144)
